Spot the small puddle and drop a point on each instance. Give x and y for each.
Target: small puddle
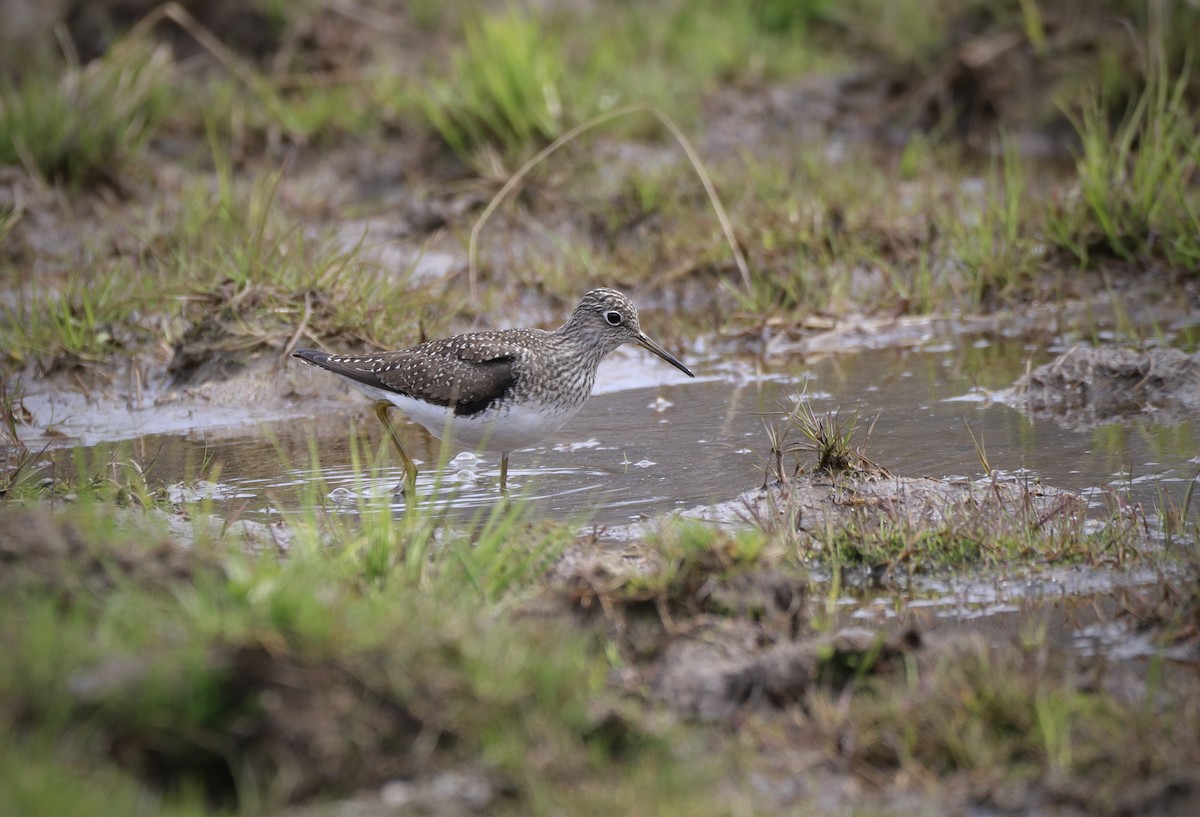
(637, 452)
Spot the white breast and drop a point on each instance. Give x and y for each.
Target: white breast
(507, 429)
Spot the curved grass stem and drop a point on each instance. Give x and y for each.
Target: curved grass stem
(594, 122)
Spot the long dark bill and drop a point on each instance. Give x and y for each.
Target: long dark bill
(646, 343)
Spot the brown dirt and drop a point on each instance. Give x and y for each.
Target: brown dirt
(312, 726)
(41, 549)
(1085, 387)
(707, 675)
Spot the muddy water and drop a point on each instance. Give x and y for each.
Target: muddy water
(643, 450)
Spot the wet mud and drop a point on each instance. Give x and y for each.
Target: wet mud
(1085, 387)
(39, 549)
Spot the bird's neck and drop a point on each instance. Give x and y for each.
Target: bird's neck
(580, 356)
(587, 348)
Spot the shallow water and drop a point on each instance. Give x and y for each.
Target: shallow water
(634, 452)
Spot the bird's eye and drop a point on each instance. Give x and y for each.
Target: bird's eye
(613, 317)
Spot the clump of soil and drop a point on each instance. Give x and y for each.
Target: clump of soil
(49, 552)
(711, 635)
(312, 726)
(1084, 387)
(916, 522)
(208, 352)
(710, 675)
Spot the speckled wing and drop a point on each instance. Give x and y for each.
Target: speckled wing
(468, 379)
(448, 372)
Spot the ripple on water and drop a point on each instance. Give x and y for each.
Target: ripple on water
(670, 445)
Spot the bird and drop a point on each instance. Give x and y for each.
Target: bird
(495, 391)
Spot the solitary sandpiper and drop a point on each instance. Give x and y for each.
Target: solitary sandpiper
(496, 391)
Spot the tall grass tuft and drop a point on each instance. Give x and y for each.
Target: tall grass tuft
(249, 279)
(1137, 197)
(89, 319)
(997, 252)
(77, 127)
(504, 87)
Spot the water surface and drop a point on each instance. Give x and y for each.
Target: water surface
(634, 452)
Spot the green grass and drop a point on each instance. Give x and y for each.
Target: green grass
(715, 42)
(908, 33)
(504, 87)
(10, 217)
(995, 244)
(674, 54)
(223, 273)
(829, 228)
(991, 528)
(248, 276)
(1011, 721)
(88, 322)
(920, 549)
(828, 437)
(81, 125)
(253, 113)
(688, 554)
(1136, 198)
(39, 779)
(510, 86)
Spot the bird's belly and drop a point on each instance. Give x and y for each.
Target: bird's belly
(505, 428)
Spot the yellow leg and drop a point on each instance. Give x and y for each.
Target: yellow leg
(410, 470)
(504, 474)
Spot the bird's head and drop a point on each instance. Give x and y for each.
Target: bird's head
(608, 319)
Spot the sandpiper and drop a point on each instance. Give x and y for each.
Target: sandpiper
(496, 391)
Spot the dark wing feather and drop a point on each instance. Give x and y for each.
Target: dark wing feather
(436, 372)
(468, 387)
